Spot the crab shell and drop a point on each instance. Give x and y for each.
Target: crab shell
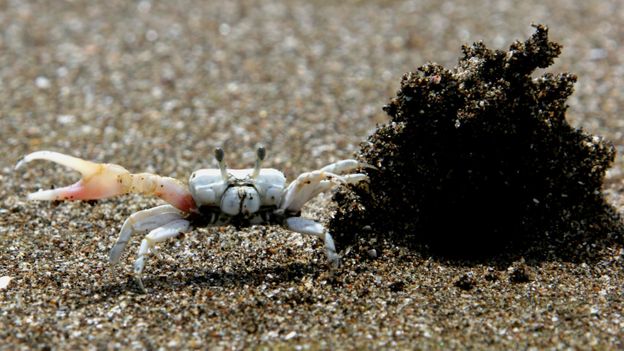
(241, 193)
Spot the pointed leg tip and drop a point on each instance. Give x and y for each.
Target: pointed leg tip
(367, 165)
(138, 266)
(334, 259)
(112, 261)
(335, 263)
(115, 254)
(112, 269)
(20, 164)
(139, 282)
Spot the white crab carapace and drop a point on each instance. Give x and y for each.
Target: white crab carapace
(241, 197)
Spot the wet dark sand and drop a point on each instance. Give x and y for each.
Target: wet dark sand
(155, 87)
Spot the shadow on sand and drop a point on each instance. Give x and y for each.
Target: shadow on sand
(238, 277)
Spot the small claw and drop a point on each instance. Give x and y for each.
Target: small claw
(308, 185)
(345, 166)
(356, 178)
(367, 165)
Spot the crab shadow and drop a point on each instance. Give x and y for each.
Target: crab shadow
(238, 277)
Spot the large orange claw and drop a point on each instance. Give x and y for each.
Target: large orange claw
(102, 180)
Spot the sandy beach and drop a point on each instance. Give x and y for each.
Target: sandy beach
(156, 86)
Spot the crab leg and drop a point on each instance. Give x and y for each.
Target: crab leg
(308, 226)
(102, 180)
(160, 234)
(144, 220)
(306, 186)
(310, 184)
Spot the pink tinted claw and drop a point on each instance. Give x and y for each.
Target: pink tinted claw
(103, 180)
(98, 180)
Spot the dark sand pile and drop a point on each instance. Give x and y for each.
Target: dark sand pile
(156, 86)
(480, 160)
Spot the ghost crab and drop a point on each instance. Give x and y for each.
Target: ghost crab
(241, 197)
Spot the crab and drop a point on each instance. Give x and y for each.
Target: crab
(213, 197)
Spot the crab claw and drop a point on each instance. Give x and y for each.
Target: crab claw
(308, 185)
(103, 180)
(98, 180)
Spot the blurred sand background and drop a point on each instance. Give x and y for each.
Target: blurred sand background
(155, 86)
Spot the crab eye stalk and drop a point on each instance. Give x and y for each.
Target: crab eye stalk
(260, 154)
(219, 155)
